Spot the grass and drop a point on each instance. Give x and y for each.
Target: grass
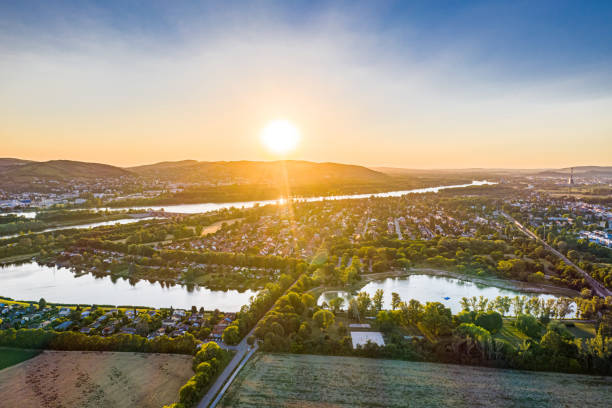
(293, 380)
(11, 356)
(511, 334)
(582, 330)
(17, 258)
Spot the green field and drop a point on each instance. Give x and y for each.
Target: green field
(293, 380)
(9, 356)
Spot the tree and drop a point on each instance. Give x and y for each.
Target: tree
(353, 309)
(563, 307)
(412, 313)
(377, 300)
(208, 351)
(491, 321)
(528, 325)
(42, 303)
(188, 394)
(518, 304)
(465, 304)
(502, 304)
(395, 300)
(323, 318)
(308, 301)
(363, 303)
(231, 335)
(437, 318)
(335, 304)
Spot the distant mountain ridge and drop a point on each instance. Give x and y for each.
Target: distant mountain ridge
(260, 172)
(16, 170)
(578, 170)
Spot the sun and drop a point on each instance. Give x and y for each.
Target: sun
(280, 136)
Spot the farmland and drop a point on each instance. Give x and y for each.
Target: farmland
(275, 380)
(9, 357)
(94, 379)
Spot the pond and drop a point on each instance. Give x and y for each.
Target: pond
(31, 281)
(428, 288)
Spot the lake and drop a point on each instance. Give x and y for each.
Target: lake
(31, 281)
(428, 288)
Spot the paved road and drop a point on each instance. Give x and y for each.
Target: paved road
(228, 375)
(597, 287)
(398, 230)
(243, 354)
(252, 351)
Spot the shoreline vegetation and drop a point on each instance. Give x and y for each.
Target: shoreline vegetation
(13, 226)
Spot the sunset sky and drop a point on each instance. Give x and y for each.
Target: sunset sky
(408, 84)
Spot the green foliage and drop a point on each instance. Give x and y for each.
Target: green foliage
(437, 318)
(231, 335)
(491, 321)
(465, 317)
(323, 318)
(473, 331)
(529, 326)
(52, 340)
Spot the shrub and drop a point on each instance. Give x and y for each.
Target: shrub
(528, 325)
(323, 318)
(491, 321)
(188, 394)
(231, 335)
(465, 317)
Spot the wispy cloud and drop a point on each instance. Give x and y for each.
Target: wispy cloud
(408, 96)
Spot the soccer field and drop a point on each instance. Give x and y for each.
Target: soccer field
(289, 380)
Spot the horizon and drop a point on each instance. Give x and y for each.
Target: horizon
(271, 160)
(464, 85)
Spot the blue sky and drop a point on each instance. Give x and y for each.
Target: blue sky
(419, 84)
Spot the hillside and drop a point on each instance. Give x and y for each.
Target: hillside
(580, 171)
(20, 172)
(9, 162)
(255, 172)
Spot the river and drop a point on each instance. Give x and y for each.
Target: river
(207, 207)
(85, 226)
(32, 281)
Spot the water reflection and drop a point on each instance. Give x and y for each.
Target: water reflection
(427, 288)
(31, 281)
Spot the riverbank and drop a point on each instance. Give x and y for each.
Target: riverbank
(88, 222)
(202, 205)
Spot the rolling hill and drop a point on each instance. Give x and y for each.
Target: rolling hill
(257, 172)
(580, 171)
(20, 171)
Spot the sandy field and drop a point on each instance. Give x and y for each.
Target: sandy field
(85, 379)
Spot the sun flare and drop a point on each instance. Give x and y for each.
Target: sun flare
(280, 136)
